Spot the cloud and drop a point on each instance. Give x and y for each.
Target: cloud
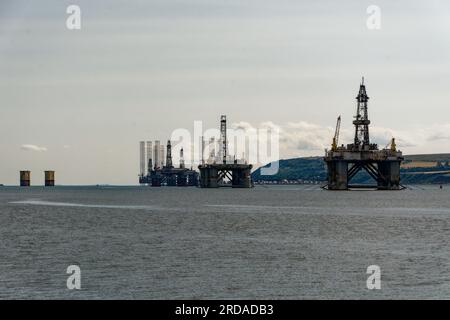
(242, 125)
(32, 147)
(403, 139)
(304, 136)
(439, 132)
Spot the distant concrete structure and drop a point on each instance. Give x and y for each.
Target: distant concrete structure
(344, 162)
(149, 157)
(25, 178)
(49, 178)
(162, 156)
(212, 152)
(157, 154)
(142, 157)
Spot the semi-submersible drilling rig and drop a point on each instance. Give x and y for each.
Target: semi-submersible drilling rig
(344, 162)
(224, 171)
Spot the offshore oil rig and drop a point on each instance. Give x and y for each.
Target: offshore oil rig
(222, 171)
(344, 162)
(163, 173)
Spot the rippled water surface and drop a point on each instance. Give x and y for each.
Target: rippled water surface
(280, 242)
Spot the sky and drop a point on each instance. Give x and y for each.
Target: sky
(79, 101)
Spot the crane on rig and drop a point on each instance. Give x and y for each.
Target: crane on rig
(391, 145)
(336, 134)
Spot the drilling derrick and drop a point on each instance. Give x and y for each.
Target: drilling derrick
(343, 163)
(182, 165)
(223, 137)
(169, 155)
(362, 121)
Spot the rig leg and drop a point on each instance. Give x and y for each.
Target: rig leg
(390, 173)
(208, 177)
(337, 175)
(241, 178)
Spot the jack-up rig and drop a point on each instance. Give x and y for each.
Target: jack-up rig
(225, 172)
(161, 173)
(344, 162)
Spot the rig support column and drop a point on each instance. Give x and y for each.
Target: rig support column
(208, 177)
(182, 179)
(337, 175)
(171, 180)
(241, 178)
(390, 175)
(156, 179)
(25, 177)
(49, 178)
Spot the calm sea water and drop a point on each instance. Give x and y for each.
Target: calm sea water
(280, 242)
